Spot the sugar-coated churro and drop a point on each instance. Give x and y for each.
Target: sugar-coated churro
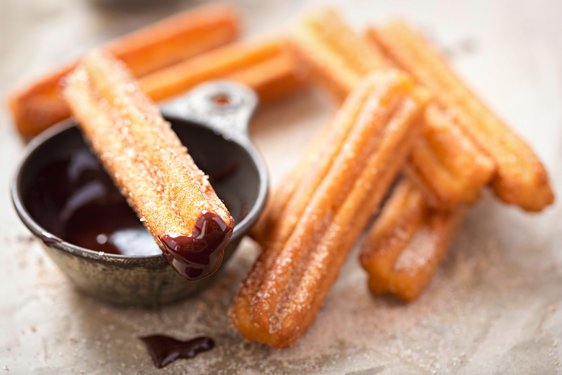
(153, 170)
(445, 164)
(337, 58)
(406, 244)
(332, 53)
(331, 67)
(39, 105)
(520, 177)
(273, 216)
(265, 66)
(368, 143)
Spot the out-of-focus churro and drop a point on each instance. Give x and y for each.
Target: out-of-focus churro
(365, 149)
(445, 164)
(265, 66)
(271, 79)
(520, 177)
(337, 58)
(153, 170)
(332, 54)
(39, 105)
(408, 241)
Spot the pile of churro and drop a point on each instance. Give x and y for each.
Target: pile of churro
(411, 146)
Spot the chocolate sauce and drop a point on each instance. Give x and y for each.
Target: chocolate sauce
(74, 199)
(165, 350)
(199, 254)
(223, 174)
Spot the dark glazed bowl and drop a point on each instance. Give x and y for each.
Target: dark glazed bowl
(212, 122)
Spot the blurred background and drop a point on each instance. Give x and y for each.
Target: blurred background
(524, 35)
(496, 304)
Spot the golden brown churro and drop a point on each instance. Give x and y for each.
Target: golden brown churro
(40, 105)
(408, 241)
(147, 161)
(366, 147)
(520, 177)
(333, 54)
(445, 164)
(338, 58)
(265, 66)
(271, 79)
(273, 217)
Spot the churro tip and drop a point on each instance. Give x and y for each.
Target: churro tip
(209, 238)
(540, 195)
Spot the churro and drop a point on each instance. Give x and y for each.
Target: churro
(337, 58)
(271, 79)
(408, 241)
(40, 105)
(146, 160)
(445, 164)
(332, 54)
(520, 177)
(265, 66)
(367, 145)
(273, 216)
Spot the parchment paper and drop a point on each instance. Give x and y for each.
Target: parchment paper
(494, 307)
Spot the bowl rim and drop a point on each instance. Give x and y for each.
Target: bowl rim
(50, 240)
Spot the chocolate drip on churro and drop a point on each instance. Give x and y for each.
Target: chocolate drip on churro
(199, 254)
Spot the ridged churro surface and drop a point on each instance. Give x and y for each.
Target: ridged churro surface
(520, 177)
(445, 164)
(408, 241)
(366, 147)
(40, 104)
(146, 160)
(332, 54)
(338, 58)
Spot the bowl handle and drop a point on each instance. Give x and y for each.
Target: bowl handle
(224, 106)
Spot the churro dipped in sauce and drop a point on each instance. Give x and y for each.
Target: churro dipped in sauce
(149, 165)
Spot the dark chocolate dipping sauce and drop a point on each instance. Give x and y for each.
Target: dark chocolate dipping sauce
(73, 198)
(165, 350)
(199, 254)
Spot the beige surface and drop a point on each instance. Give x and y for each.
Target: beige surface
(495, 307)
